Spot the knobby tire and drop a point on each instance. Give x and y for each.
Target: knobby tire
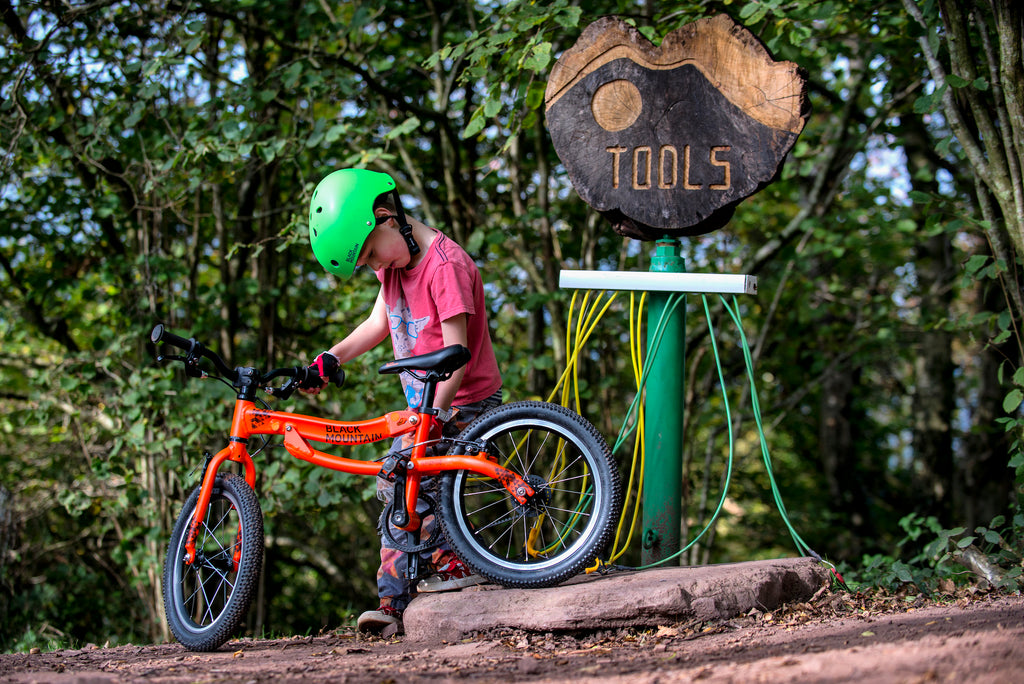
(206, 602)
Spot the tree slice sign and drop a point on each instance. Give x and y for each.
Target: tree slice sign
(665, 140)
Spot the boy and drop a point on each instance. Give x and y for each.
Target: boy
(431, 296)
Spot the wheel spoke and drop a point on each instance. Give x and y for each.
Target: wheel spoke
(540, 449)
(207, 584)
(560, 518)
(478, 512)
(497, 521)
(506, 533)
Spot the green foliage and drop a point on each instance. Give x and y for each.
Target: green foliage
(514, 45)
(993, 557)
(155, 166)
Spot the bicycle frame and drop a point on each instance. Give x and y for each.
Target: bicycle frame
(298, 430)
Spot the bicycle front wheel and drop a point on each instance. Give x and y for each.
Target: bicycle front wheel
(568, 521)
(206, 601)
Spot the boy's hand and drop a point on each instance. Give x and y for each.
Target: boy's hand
(445, 424)
(325, 367)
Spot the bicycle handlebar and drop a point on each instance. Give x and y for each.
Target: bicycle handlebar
(161, 335)
(298, 376)
(194, 349)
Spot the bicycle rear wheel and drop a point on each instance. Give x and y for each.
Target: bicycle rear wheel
(565, 525)
(206, 602)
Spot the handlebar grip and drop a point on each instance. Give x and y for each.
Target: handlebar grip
(160, 335)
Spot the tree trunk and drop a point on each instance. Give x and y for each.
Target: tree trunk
(983, 487)
(984, 47)
(848, 469)
(934, 400)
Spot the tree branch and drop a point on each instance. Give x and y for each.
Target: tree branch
(974, 154)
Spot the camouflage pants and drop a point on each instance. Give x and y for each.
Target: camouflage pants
(393, 588)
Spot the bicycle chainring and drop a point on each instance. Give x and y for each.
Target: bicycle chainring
(384, 528)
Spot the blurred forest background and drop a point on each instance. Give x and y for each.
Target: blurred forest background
(156, 160)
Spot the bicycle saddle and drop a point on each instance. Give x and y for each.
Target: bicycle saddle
(443, 362)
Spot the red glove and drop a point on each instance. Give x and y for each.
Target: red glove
(325, 368)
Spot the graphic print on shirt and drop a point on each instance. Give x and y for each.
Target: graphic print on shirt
(405, 331)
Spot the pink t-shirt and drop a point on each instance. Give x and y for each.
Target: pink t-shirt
(444, 284)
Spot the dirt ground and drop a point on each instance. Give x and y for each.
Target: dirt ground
(832, 638)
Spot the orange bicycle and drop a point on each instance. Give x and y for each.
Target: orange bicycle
(528, 493)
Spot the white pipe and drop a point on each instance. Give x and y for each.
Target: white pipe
(718, 283)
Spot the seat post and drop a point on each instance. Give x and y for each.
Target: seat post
(429, 391)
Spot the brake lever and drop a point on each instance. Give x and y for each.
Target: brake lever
(192, 368)
(284, 391)
(287, 389)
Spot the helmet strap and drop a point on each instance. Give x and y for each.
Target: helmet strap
(404, 228)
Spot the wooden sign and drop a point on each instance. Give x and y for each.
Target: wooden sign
(665, 141)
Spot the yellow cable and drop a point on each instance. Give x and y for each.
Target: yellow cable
(531, 538)
(636, 357)
(589, 326)
(578, 349)
(570, 352)
(568, 346)
(585, 325)
(570, 358)
(573, 384)
(579, 328)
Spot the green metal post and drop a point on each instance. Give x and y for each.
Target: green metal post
(663, 415)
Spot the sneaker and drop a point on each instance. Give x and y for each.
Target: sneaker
(453, 575)
(376, 621)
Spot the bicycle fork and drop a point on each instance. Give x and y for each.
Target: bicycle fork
(235, 451)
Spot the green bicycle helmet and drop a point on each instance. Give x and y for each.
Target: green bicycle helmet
(341, 216)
